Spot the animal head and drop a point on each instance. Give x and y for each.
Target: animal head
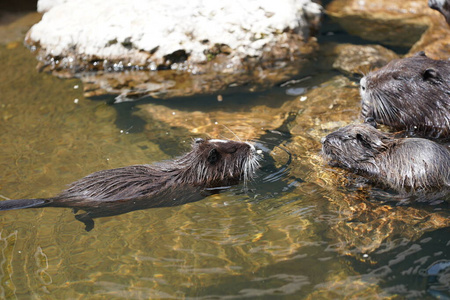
(409, 94)
(220, 162)
(354, 147)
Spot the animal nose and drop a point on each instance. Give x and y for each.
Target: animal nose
(362, 84)
(322, 140)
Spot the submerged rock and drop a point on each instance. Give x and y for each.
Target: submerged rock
(330, 105)
(231, 37)
(246, 125)
(359, 60)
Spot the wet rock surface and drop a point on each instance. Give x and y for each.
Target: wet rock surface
(435, 42)
(218, 75)
(410, 24)
(354, 60)
(398, 23)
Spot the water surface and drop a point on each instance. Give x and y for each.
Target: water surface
(304, 236)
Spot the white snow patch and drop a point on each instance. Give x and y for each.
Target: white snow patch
(106, 28)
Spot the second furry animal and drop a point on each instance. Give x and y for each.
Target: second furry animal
(408, 165)
(411, 94)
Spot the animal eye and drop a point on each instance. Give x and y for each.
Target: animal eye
(213, 156)
(429, 74)
(199, 140)
(347, 137)
(362, 84)
(363, 140)
(371, 121)
(396, 76)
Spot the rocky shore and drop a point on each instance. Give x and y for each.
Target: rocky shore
(236, 42)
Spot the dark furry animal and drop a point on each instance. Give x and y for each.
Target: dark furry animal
(210, 166)
(408, 165)
(411, 94)
(443, 6)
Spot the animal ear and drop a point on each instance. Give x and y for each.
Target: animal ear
(371, 121)
(420, 53)
(363, 140)
(430, 74)
(213, 156)
(374, 141)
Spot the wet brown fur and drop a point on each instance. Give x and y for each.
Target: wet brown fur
(410, 165)
(411, 94)
(208, 167)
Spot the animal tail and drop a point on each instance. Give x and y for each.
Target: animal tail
(23, 203)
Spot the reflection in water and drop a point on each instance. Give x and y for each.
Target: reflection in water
(7, 245)
(438, 279)
(42, 265)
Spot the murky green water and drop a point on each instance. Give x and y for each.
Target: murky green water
(306, 236)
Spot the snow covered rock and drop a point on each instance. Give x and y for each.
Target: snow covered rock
(94, 35)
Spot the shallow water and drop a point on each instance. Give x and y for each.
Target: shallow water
(304, 235)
